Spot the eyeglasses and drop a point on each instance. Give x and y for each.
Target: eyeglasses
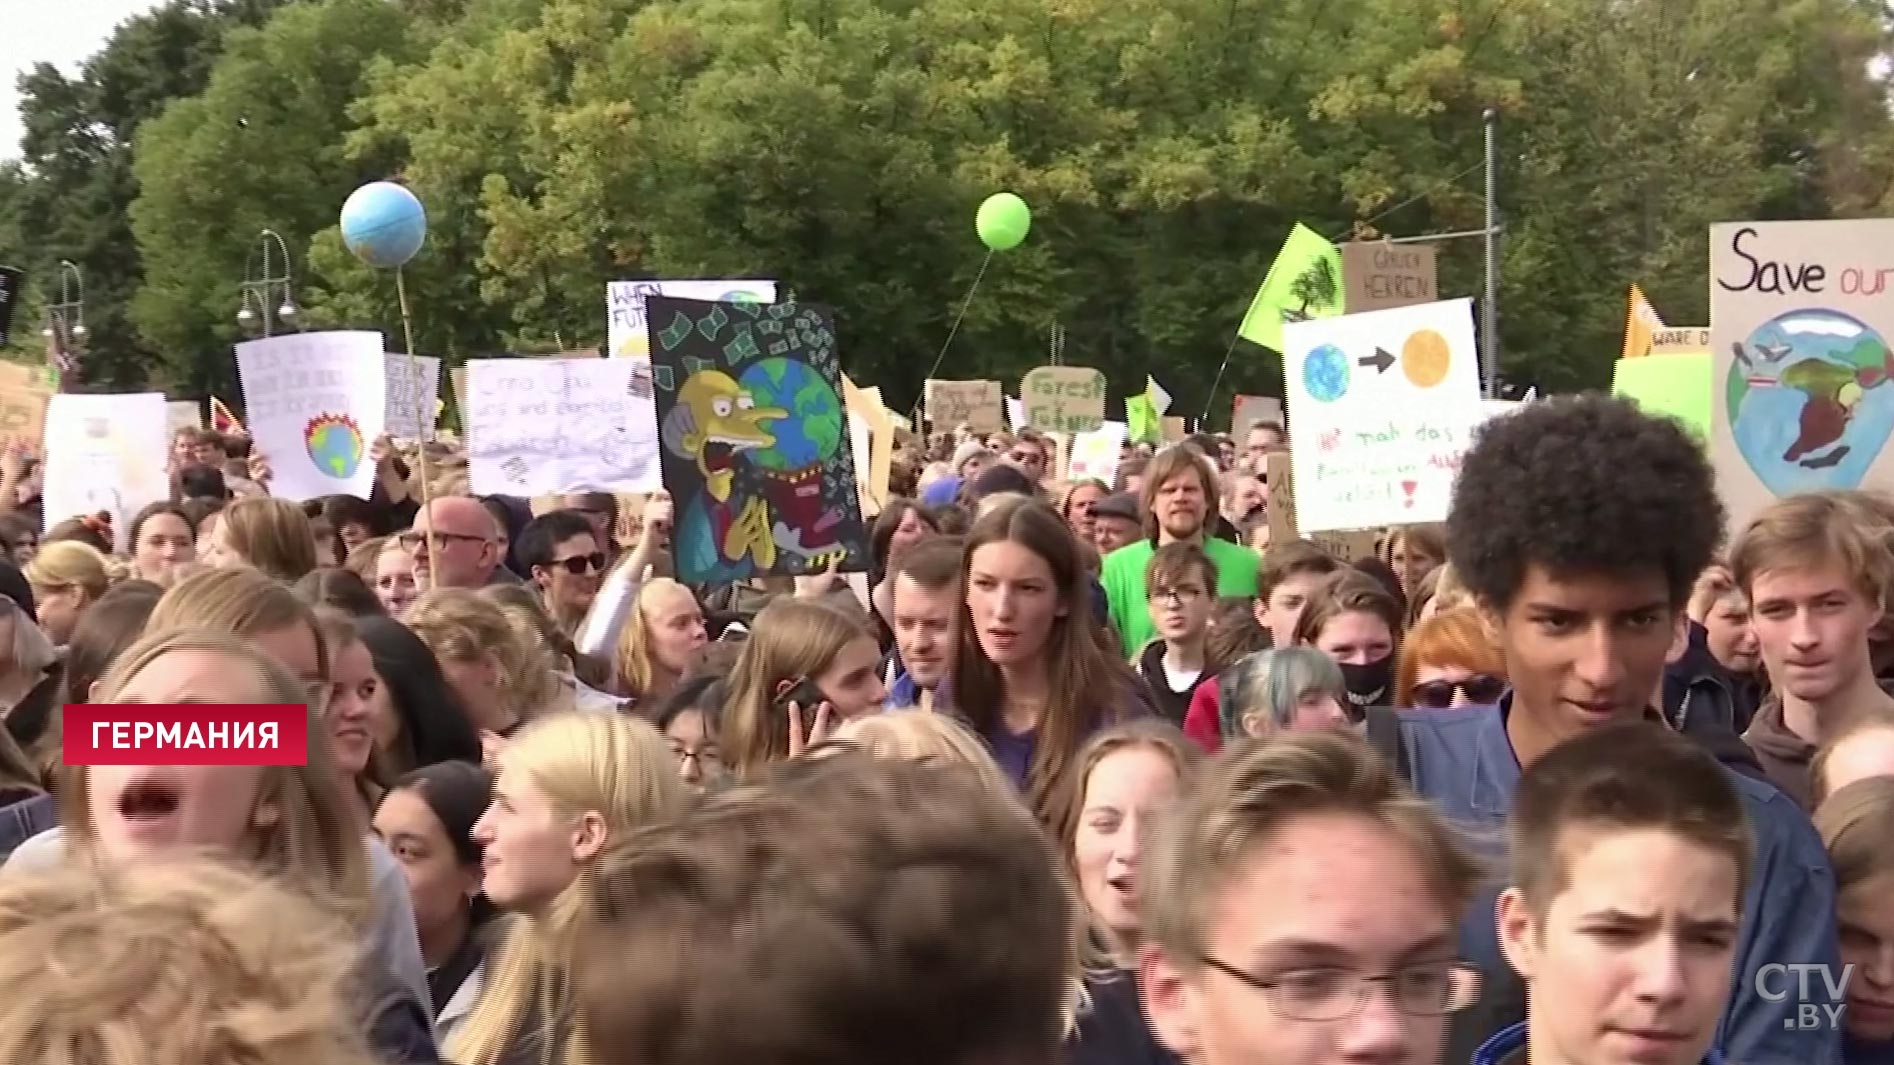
(1481, 689)
(413, 540)
(1428, 989)
(1177, 596)
(1026, 457)
(580, 565)
(707, 757)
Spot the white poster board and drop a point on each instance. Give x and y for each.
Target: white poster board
(1095, 454)
(315, 403)
(414, 393)
(105, 453)
(180, 414)
(546, 426)
(625, 315)
(1381, 407)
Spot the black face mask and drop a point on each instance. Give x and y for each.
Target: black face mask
(1368, 684)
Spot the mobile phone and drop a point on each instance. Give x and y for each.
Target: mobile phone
(804, 693)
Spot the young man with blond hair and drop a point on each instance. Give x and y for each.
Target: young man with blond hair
(1817, 570)
(1300, 906)
(1630, 855)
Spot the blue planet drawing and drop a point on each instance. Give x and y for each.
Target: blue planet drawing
(1325, 374)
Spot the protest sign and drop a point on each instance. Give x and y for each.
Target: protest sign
(545, 426)
(755, 440)
(1347, 545)
(1095, 454)
(1802, 380)
(414, 388)
(1248, 410)
(315, 402)
(181, 414)
(1378, 275)
(625, 306)
(1690, 340)
(1676, 385)
(1063, 399)
(873, 444)
(105, 453)
(1381, 406)
(950, 404)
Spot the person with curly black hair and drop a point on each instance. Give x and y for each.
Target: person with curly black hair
(1579, 525)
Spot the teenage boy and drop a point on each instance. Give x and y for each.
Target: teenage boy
(1630, 854)
(1818, 570)
(1299, 909)
(1177, 504)
(926, 590)
(1290, 574)
(1580, 525)
(1178, 586)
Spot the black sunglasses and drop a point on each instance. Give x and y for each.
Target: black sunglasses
(580, 565)
(1481, 689)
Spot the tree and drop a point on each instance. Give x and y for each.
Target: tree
(260, 148)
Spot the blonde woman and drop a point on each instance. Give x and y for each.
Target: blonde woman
(294, 824)
(67, 578)
(272, 535)
(158, 985)
(566, 788)
(561, 687)
(806, 668)
(1123, 781)
(658, 642)
(486, 664)
(915, 735)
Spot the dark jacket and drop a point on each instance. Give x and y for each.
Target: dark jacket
(1463, 761)
(1111, 1029)
(24, 817)
(1509, 1048)
(400, 1026)
(1171, 705)
(1701, 694)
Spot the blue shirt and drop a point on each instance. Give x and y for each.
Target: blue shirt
(1463, 762)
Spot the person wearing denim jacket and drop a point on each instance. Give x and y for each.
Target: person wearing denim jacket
(1580, 524)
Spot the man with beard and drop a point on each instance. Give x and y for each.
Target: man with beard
(1179, 496)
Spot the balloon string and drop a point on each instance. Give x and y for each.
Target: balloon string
(964, 304)
(427, 479)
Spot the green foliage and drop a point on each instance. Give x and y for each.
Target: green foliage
(841, 147)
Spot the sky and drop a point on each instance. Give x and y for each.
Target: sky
(61, 32)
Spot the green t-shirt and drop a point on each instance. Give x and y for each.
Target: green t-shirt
(1123, 578)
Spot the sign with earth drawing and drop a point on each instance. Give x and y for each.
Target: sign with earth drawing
(1381, 407)
(754, 439)
(1802, 383)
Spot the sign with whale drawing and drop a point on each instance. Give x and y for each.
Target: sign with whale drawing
(1802, 381)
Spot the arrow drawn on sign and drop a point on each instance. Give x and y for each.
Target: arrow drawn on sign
(1380, 360)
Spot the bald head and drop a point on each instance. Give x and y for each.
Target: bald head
(465, 550)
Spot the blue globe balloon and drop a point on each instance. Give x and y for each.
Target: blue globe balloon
(384, 224)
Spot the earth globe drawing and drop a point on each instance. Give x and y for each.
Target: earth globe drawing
(1810, 400)
(1325, 374)
(816, 419)
(335, 445)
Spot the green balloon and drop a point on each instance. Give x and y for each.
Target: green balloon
(1003, 221)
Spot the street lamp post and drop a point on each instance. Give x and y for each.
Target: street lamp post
(267, 297)
(65, 330)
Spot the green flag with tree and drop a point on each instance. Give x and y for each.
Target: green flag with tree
(1304, 282)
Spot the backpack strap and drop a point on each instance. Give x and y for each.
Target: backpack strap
(1384, 735)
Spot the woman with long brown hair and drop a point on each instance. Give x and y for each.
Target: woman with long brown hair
(1032, 676)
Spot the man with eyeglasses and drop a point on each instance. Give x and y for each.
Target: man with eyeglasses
(561, 551)
(1630, 851)
(1264, 440)
(455, 544)
(1031, 454)
(1300, 908)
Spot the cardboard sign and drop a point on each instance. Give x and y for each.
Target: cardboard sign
(980, 404)
(1063, 399)
(1248, 410)
(1175, 430)
(1377, 275)
(181, 414)
(23, 414)
(1802, 379)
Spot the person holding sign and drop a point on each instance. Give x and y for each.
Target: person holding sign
(1180, 487)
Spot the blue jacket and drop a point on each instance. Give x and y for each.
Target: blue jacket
(1463, 762)
(1511, 1043)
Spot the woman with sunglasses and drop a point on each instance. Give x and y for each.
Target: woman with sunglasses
(1450, 660)
(562, 553)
